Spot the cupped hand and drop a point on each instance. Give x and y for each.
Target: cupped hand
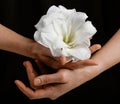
(57, 84)
(54, 85)
(60, 62)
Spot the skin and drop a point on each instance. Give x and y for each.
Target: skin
(57, 84)
(16, 43)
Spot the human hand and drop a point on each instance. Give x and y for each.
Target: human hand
(61, 79)
(60, 62)
(43, 55)
(57, 84)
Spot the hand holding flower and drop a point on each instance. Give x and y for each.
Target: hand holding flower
(65, 32)
(61, 61)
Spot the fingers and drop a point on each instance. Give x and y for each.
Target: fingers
(51, 62)
(44, 68)
(37, 94)
(46, 92)
(78, 64)
(88, 62)
(31, 73)
(26, 90)
(95, 47)
(41, 66)
(62, 60)
(49, 79)
(54, 62)
(30, 70)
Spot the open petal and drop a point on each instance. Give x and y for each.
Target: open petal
(86, 31)
(52, 9)
(80, 53)
(65, 31)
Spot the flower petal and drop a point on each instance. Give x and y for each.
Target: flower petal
(80, 53)
(65, 31)
(86, 31)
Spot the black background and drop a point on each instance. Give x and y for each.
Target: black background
(22, 15)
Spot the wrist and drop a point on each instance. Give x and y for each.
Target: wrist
(90, 72)
(36, 50)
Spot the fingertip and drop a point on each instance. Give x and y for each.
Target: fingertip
(63, 60)
(99, 46)
(37, 81)
(17, 82)
(24, 63)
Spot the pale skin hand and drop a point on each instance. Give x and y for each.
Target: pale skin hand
(70, 65)
(63, 76)
(69, 79)
(54, 85)
(16, 43)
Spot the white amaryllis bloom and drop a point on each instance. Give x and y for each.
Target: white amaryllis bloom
(65, 32)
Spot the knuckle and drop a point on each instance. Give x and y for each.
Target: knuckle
(63, 76)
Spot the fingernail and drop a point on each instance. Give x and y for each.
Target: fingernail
(37, 81)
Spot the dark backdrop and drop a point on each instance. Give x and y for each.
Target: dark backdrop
(22, 15)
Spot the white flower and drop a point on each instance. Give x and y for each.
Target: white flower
(65, 32)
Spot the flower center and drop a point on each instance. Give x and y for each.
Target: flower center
(68, 40)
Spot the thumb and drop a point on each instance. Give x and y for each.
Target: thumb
(48, 79)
